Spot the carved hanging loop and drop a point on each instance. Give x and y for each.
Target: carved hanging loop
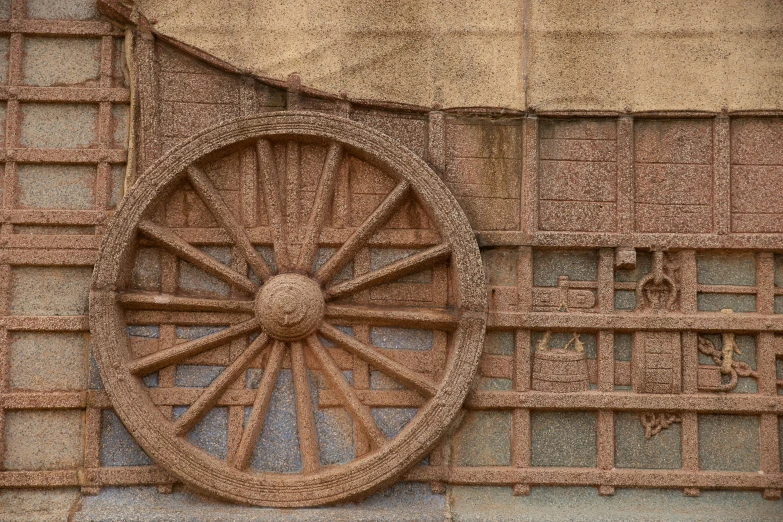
(282, 310)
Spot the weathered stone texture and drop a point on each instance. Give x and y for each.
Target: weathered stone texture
(39, 440)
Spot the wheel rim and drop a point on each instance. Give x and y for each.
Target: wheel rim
(289, 305)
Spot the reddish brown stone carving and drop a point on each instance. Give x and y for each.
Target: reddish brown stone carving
(291, 305)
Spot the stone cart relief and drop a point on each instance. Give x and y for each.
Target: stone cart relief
(289, 310)
(275, 258)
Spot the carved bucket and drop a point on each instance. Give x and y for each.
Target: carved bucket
(559, 370)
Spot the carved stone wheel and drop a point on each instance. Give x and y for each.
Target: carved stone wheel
(288, 308)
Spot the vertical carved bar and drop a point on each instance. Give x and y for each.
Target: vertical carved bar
(436, 142)
(529, 200)
(248, 99)
(13, 117)
(770, 451)
(148, 96)
(292, 163)
(688, 281)
(92, 439)
(5, 366)
(105, 130)
(690, 447)
(520, 430)
(605, 446)
(765, 283)
(721, 169)
(690, 362)
(625, 175)
(606, 361)
(249, 190)
(606, 280)
(293, 99)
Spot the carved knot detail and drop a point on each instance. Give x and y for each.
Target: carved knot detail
(290, 306)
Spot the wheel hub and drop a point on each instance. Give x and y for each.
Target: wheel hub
(290, 306)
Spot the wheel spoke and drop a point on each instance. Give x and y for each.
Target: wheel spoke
(173, 243)
(258, 414)
(435, 319)
(414, 380)
(376, 220)
(269, 186)
(212, 394)
(318, 212)
(167, 302)
(355, 407)
(401, 268)
(211, 197)
(308, 441)
(180, 352)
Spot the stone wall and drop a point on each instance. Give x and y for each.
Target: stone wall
(572, 212)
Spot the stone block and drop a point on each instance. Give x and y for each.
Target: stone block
(499, 342)
(62, 290)
(117, 185)
(5, 9)
(622, 347)
(661, 141)
(59, 10)
(672, 180)
(578, 265)
(118, 448)
(563, 439)
(119, 115)
(561, 504)
(40, 439)
(500, 266)
(578, 175)
(632, 450)
(61, 61)
(394, 338)
(189, 87)
(494, 384)
(56, 186)
(180, 119)
(578, 181)
(411, 131)
(4, 48)
(780, 440)
(58, 125)
(143, 504)
(564, 216)
(478, 138)
(624, 300)
(725, 268)
(48, 361)
(729, 443)
(706, 302)
(483, 439)
(50, 230)
(40, 505)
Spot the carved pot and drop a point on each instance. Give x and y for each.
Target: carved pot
(559, 370)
